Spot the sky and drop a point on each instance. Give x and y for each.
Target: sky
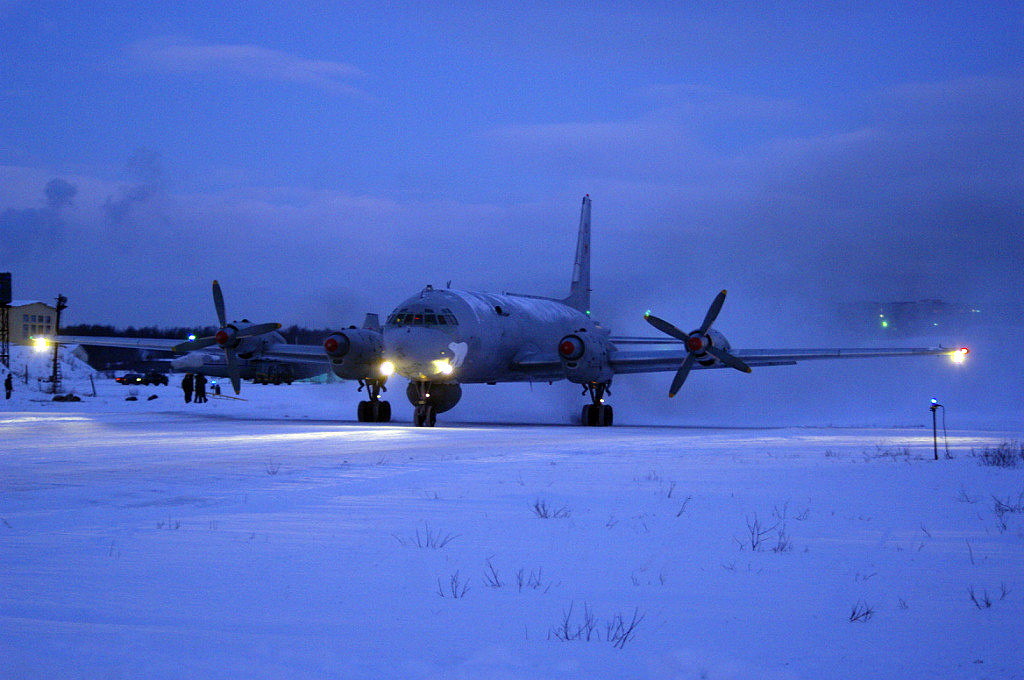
(329, 160)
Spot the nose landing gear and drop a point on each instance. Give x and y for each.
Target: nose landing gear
(424, 414)
(598, 413)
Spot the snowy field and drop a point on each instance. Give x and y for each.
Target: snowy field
(276, 538)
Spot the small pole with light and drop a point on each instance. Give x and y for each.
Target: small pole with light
(935, 432)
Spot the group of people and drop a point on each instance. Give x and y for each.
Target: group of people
(194, 384)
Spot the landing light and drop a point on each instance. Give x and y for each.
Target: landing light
(39, 343)
(191, 337)
(443, 366)
(960, 356)
(387, 369)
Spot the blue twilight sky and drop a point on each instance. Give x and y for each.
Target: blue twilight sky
(332, 159)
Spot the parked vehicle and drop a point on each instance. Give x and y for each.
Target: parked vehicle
(149, 378)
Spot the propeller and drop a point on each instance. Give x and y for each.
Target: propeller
(698, 342)
(227, 337)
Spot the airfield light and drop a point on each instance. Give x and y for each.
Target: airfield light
(40, 344)
(387, 369)
(191, 337)
(885, 324)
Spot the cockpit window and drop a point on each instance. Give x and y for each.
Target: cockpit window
(422, 317)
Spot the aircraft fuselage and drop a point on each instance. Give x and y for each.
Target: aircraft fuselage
(470, 337)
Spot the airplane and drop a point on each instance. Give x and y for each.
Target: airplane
(442, 338)
(246, 351)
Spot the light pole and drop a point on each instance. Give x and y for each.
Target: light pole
(935, 430)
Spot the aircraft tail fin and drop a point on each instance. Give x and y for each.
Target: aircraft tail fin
(579, 291)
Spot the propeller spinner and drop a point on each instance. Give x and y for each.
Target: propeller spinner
(227, 337)
(697, 343)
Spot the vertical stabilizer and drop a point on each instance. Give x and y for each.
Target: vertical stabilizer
(579, 291)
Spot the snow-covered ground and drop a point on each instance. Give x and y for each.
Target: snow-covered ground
(275, 538)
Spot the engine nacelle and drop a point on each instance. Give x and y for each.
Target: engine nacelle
(585, 357)
(442, 396)
(355, 353)
(714, 339)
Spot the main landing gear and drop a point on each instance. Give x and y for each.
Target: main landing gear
(374, 410)
(597, 414)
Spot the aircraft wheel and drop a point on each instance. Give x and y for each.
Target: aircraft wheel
(384, 413)
(362, 411)
(597, 415)
(589, 417)
(424, 416)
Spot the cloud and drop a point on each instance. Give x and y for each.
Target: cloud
(29, 233)
(915, 193)
(59, 193)
(182, 56)
(145, 167)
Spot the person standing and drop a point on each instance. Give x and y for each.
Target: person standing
(200, 388)
(8, 384)
(186, 387)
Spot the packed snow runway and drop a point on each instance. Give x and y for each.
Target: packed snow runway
(241, 539)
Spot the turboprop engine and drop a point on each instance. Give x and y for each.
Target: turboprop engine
(712, 339)
(584, 357)
(355, 353)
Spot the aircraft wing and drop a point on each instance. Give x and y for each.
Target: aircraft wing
(163, 344)
(669, 359)
(285, 351)
(671, 356)
(277, 351)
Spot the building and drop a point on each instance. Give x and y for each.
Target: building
(30, 318)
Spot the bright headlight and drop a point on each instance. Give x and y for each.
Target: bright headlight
(40, 343)
(443, 366)
(387, 369)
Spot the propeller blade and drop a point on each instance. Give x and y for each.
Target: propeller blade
(198, 343)
(257, 329)
(729, 360)
(236, 381)
(218, 302)
(684, 370)
(712, 314)
(665, 327)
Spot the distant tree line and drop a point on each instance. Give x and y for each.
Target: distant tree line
(294, 334)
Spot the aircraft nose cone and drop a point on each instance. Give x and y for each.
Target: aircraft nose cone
(419, 353)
